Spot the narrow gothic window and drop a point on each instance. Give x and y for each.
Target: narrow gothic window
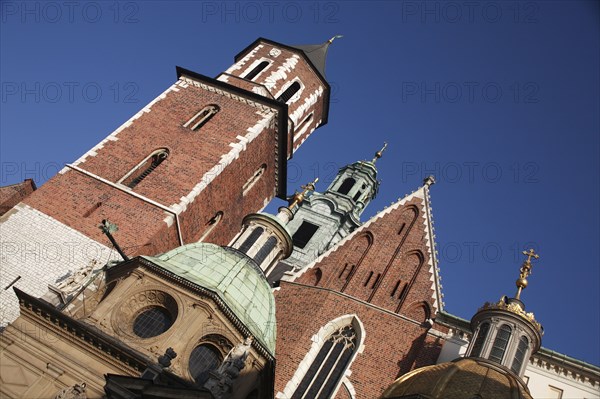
(368, 279)
(212, 223)
(376, 280)
(304, 233)
(265, 250)
(202, 117)
(289, 92)
(328, 367)
(203, 359)
(299, 129)
(346, 186)
(520, 355)
(481, 336)
(395, 288)
(251, 239)
(141, 171)
(256, 70)
(254, 179)
(500, 343)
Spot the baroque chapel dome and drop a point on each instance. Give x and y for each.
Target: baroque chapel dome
(234, 277)
(464, 378)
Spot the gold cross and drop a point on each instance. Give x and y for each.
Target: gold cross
(530, 254)
(299, 197)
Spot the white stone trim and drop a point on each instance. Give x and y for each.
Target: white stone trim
(226, 160)
(254, 65)
(296, 95)
(113, 136)
(282, 72)
(238, 65)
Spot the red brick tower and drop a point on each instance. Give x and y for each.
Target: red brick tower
(185, 168)
(368, 308)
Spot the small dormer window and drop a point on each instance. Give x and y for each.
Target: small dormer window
(143, 169)
(203, 116)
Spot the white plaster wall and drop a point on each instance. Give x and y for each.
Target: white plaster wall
(540, 380)
(41, 250)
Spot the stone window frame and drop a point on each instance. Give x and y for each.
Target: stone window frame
(217, 338)
(255, 178)
(255, 64)
(317, 342)
(303, 125)
(163, 153)
(202, 117)
(133, 304)
(296, 95)
(212, 223)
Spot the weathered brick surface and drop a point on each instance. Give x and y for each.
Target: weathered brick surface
(369, 266)
(394, 245)
(15, 193)
(392, 346)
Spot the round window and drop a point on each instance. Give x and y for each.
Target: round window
(152, 321)
(204, 359)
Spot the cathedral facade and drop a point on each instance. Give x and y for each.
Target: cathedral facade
(187, 289)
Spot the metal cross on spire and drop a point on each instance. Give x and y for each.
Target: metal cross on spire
(525, 271)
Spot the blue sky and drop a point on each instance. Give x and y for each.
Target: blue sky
(498, 99)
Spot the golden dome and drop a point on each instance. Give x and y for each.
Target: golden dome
(464, 378)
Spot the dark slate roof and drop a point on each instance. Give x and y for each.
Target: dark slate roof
(317, 54)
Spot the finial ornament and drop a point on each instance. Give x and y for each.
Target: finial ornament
(379, 153)
(299, 197)
(333, 38)
(525, 271)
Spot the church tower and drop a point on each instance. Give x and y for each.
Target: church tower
(186, 168)
(324, 219)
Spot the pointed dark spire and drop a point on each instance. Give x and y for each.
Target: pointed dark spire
(317, 53)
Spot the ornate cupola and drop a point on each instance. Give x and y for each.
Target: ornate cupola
(504, 338)
(503, 331)
(356, 185)
(265, 238)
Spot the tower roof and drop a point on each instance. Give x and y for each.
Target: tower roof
(234, 277)
(317, 53)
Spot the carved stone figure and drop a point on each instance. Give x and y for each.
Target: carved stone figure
(221, 381)
(75, 281)
(76, 391)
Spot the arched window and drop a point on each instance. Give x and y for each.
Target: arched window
(479, 341)
(251, 239)
(393, 294)
(204, 359)
(500, 343)
(346, 186)
(203, 116)
(265, 250)
(357, 195)
(144, 168)
(329, 365)
(256, 70)
(254, 179)
(212, 223)
(520, 355)
(289, 92)
(301, 128)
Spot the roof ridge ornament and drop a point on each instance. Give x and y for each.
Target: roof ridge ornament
(379, 153)
(525, 272)
(335, 37)
(299, 197)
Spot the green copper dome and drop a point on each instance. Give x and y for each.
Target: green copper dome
(234, 277)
